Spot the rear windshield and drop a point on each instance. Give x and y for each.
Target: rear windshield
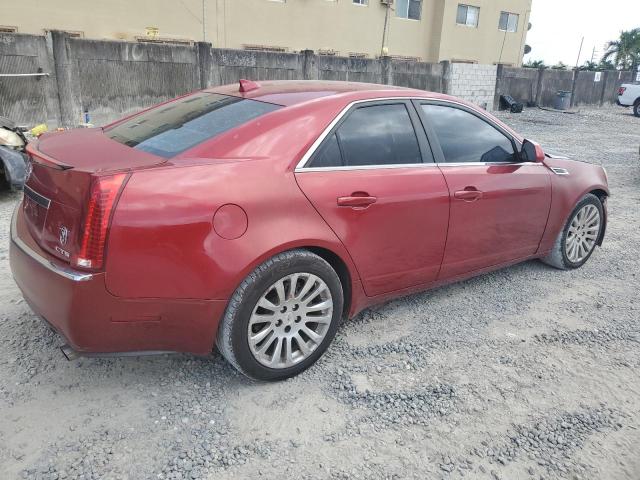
(177, 126)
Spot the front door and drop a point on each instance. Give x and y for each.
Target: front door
(499, 205)
(374, 182)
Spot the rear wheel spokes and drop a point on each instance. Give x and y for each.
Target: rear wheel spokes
(290, 320)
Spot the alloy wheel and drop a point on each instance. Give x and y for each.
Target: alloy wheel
(583, 233)
(290, 320)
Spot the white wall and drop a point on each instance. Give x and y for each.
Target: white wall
(474, 83)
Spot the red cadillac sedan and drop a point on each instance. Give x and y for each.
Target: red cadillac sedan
(256, 217)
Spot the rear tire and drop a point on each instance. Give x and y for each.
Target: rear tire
(636, 108)
(282, 317)
(578, 239)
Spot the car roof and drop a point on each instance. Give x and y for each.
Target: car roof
(293, 92)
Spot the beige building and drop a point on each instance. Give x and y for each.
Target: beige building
(480, 31)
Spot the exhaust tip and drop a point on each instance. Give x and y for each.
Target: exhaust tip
(69, 353)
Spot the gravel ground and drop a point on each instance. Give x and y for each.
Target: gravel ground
(528, 372)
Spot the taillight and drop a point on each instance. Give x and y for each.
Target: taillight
(621, 90)
(103, 195)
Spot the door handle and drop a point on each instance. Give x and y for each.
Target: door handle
(357, 200)
(469, 194)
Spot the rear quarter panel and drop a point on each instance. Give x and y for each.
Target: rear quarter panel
(566, 192)
(162, 242)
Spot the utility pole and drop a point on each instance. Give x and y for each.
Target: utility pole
(504, 39)
(384, 31)
(579, 52)
(204, 22)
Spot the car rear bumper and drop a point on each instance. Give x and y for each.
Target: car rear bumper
(619, 103)
(79, 307)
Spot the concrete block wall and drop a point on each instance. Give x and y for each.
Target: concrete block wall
(474, 83)
(540, 86)
(110, 79)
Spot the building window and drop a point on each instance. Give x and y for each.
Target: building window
(508, 22)
(468, 15)
(6, 29)
(361, 2)
(410, 9)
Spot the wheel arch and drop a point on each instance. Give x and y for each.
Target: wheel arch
(343, 266)
(340, 267)
(602, 196)
(567, 191)
(600, 193)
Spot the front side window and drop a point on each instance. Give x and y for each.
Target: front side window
(374, 135)
(466, 138)
(468, 15)
(410, 9)
(508, 22)
(172, 128)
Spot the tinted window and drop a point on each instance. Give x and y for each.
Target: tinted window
(170, 129)
(376, 135)
(328, 154)
(467, 138)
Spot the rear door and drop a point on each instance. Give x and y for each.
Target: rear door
(499, 205)
(374, 182)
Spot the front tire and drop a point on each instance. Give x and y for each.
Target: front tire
(579, 237)
(636, 108)
(282, 317)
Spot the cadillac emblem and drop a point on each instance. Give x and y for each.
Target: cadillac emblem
(28, 171)
(64, 235)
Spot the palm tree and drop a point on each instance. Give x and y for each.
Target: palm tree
(626, 50)
(590, 66)
(534, 64)
(606, 65)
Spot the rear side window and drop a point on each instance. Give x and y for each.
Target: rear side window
(466, 138)
(175, 127)
(328, 154)
(375, 135)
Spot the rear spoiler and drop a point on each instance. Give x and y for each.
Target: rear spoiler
(40, 158)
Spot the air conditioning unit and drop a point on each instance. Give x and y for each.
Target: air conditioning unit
(388, 3)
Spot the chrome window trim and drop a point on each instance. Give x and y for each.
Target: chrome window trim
(63, 271)
(300, 166)
(367, 167)
(480, 164)
(559, 170)
(412, 165)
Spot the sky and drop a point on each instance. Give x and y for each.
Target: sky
(558, 26)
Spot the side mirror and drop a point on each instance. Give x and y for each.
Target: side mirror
(531, 152)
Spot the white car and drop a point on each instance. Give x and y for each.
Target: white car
(629, 95)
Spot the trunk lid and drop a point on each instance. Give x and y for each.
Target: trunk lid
(61, 169)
